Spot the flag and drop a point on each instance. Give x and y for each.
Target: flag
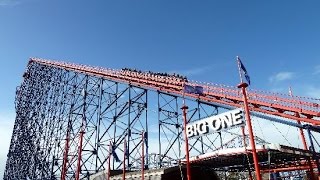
(193, 89)
(290, 92)
(114, 154)
(243, 70)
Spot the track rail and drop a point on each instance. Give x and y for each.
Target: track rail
(302, 109)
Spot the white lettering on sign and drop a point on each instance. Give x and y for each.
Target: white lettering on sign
(216, 123)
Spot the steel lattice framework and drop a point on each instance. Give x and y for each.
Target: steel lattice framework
(71, 118)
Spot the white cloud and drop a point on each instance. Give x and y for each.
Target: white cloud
(8, 2)
(279, 90)
(196, 71)
(313, 91)
(316, 70)
(281, 76)
(192, 72)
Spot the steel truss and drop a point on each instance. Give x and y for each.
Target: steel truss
(54, 106)
(73, 120)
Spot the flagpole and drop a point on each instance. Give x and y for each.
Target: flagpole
(252, 143)
(184, 109)
(243, 87)
(243, 127)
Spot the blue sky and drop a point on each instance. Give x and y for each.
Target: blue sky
(278, 41)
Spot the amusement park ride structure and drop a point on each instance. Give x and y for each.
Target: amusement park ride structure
(74, 121)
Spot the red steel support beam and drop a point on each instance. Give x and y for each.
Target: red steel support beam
(80, 152)
(252, 143)
(245, 147)
(65, 156)
(286, 169)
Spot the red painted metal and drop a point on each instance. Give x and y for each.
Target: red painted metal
(80, 152)
(184, 108)
(302, 166)
(286, 169)
(65, 156)
(251, 135)
(245, 146)
(303, 138)
(311, 167)
(258, 101)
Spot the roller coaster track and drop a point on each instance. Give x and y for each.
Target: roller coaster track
(297, 108)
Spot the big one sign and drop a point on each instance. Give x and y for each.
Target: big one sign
(216, 123)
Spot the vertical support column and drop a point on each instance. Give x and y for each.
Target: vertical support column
(109, 161)
(115, 117)
(300, 129)
(52, 166)
(146, 131)
(159, 132)
(252, 143)
(66, 152)
(99, 116)
(303, 138)
(142, 156)
(305, 146)
(201, 138)
(124, 158)
(82, 128)
(184, 109)
(221, 143)
(245, 148)
(80, 152)
(129, 130)
(178, 127)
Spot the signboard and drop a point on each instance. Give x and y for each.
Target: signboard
(216, 123)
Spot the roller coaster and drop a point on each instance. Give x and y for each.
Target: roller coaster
(74, 121)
